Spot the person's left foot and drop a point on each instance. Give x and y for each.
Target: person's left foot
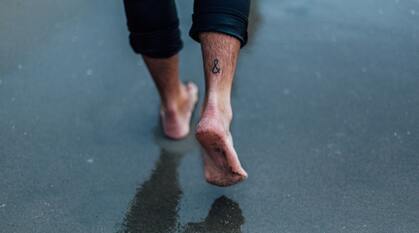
(176, 119)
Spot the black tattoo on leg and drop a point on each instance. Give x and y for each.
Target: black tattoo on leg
(216, 69)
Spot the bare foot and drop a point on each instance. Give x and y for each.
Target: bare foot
(221, 163)
(176, 119)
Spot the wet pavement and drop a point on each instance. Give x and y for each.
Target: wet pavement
(326, 104)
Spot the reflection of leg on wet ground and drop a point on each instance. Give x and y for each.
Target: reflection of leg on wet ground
(225, 216)
(155, 205)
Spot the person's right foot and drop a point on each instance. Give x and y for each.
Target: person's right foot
(221, 163)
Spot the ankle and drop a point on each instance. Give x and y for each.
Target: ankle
(175, 101)
(218, 109)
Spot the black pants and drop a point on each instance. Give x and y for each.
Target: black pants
(154, 24)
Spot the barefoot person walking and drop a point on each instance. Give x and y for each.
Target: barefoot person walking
(221, 28)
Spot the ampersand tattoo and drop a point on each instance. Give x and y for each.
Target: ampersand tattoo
(216, 69)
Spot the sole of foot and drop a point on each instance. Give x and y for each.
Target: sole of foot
(176, 125)
(221, 163)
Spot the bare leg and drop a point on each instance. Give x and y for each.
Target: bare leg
(221, 164)
(177, 99)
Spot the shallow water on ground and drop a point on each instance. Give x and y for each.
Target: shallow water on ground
(325, 122)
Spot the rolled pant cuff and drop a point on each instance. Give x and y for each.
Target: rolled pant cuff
(226, 23)
(158, 44)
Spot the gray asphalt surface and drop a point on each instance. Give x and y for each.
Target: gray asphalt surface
(326, 107)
